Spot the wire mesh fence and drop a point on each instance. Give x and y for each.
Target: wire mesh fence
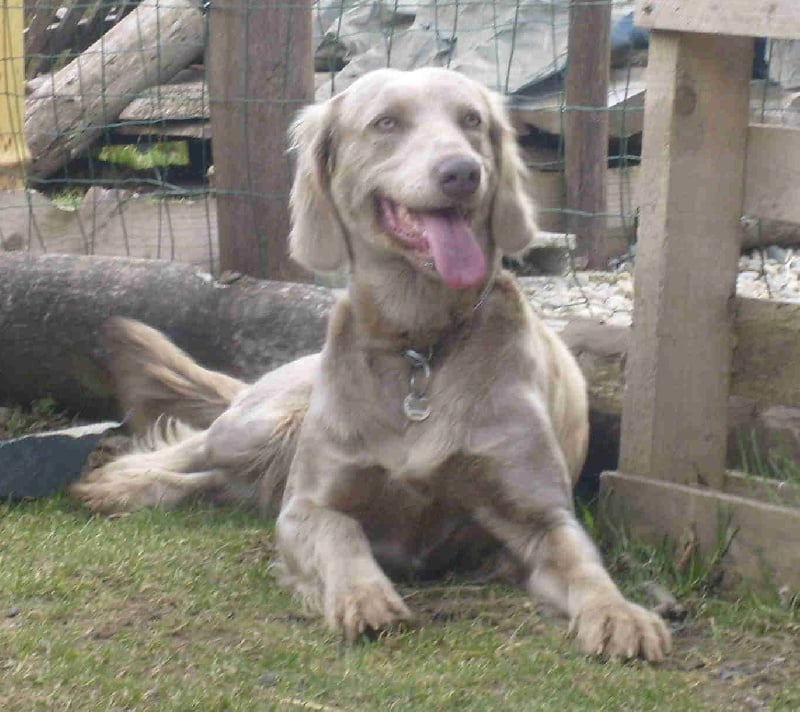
(120, 100)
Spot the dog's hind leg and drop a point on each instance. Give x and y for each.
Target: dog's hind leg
(164, 476)
(243, 458)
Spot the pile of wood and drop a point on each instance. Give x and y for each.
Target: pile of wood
(69, 109)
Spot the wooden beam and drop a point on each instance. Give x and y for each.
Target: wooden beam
(765, 362)
(261, 71)
(624, 101)
(14, 154)
(782, 492)
(678, 372)
(749, 18)
(772, 187)
(586, 130)
(765, 544)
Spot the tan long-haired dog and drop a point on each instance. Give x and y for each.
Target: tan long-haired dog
(442, 418)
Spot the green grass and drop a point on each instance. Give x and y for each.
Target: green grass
(181, 611)
(774, 463)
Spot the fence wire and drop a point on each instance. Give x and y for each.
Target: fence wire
(118, 118)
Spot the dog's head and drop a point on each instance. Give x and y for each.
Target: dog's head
(423, 164)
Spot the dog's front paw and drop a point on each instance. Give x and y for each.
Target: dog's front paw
(366, 607)
(616, 629)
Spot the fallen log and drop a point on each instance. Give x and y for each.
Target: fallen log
(65, 115)
(52, 308)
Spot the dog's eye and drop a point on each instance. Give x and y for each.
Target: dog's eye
(386, 123)
(471, 120)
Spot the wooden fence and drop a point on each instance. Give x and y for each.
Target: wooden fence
(703, 168)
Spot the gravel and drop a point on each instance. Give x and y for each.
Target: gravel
(608, 296)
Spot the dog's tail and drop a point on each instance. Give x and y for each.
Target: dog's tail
(153, 378)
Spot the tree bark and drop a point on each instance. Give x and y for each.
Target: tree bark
(65, 116)
(52, 307)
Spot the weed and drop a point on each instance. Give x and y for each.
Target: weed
(775, 462)
(43, 414)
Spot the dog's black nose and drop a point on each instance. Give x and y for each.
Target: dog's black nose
(459, 177)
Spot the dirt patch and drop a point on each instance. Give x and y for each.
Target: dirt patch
(737, 670)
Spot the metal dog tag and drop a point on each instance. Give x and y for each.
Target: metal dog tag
(416, 407)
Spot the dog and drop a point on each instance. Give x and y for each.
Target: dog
(441, 423)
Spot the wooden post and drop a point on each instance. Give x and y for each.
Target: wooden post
(13, 151)
(586, 139)
(261, 72)
(693, 159)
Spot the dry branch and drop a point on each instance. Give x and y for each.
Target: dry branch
(64, 116)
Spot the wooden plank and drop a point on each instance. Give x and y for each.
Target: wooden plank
(169, 102)
(546, 189)
(260, 73)
(13, 149)
(586, 130)
(748, 18)
(678, 369)
(772, 185)
(781, 492)
(624, 101)
(766, 537)
(112, 223)
(766, 361)
(200, 130)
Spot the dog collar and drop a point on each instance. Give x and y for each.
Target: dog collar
(415, 405)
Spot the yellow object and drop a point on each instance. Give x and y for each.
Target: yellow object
(13, 149)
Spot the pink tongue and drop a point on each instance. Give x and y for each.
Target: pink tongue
(458, 258)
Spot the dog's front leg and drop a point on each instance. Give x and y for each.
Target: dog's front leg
(328, 556)
(526, 503)
(565, 570)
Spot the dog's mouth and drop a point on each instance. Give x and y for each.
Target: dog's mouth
(441, 238)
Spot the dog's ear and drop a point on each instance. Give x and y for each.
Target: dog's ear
(316, 240)
(513, 215)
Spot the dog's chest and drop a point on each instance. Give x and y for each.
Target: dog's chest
(410, 447)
